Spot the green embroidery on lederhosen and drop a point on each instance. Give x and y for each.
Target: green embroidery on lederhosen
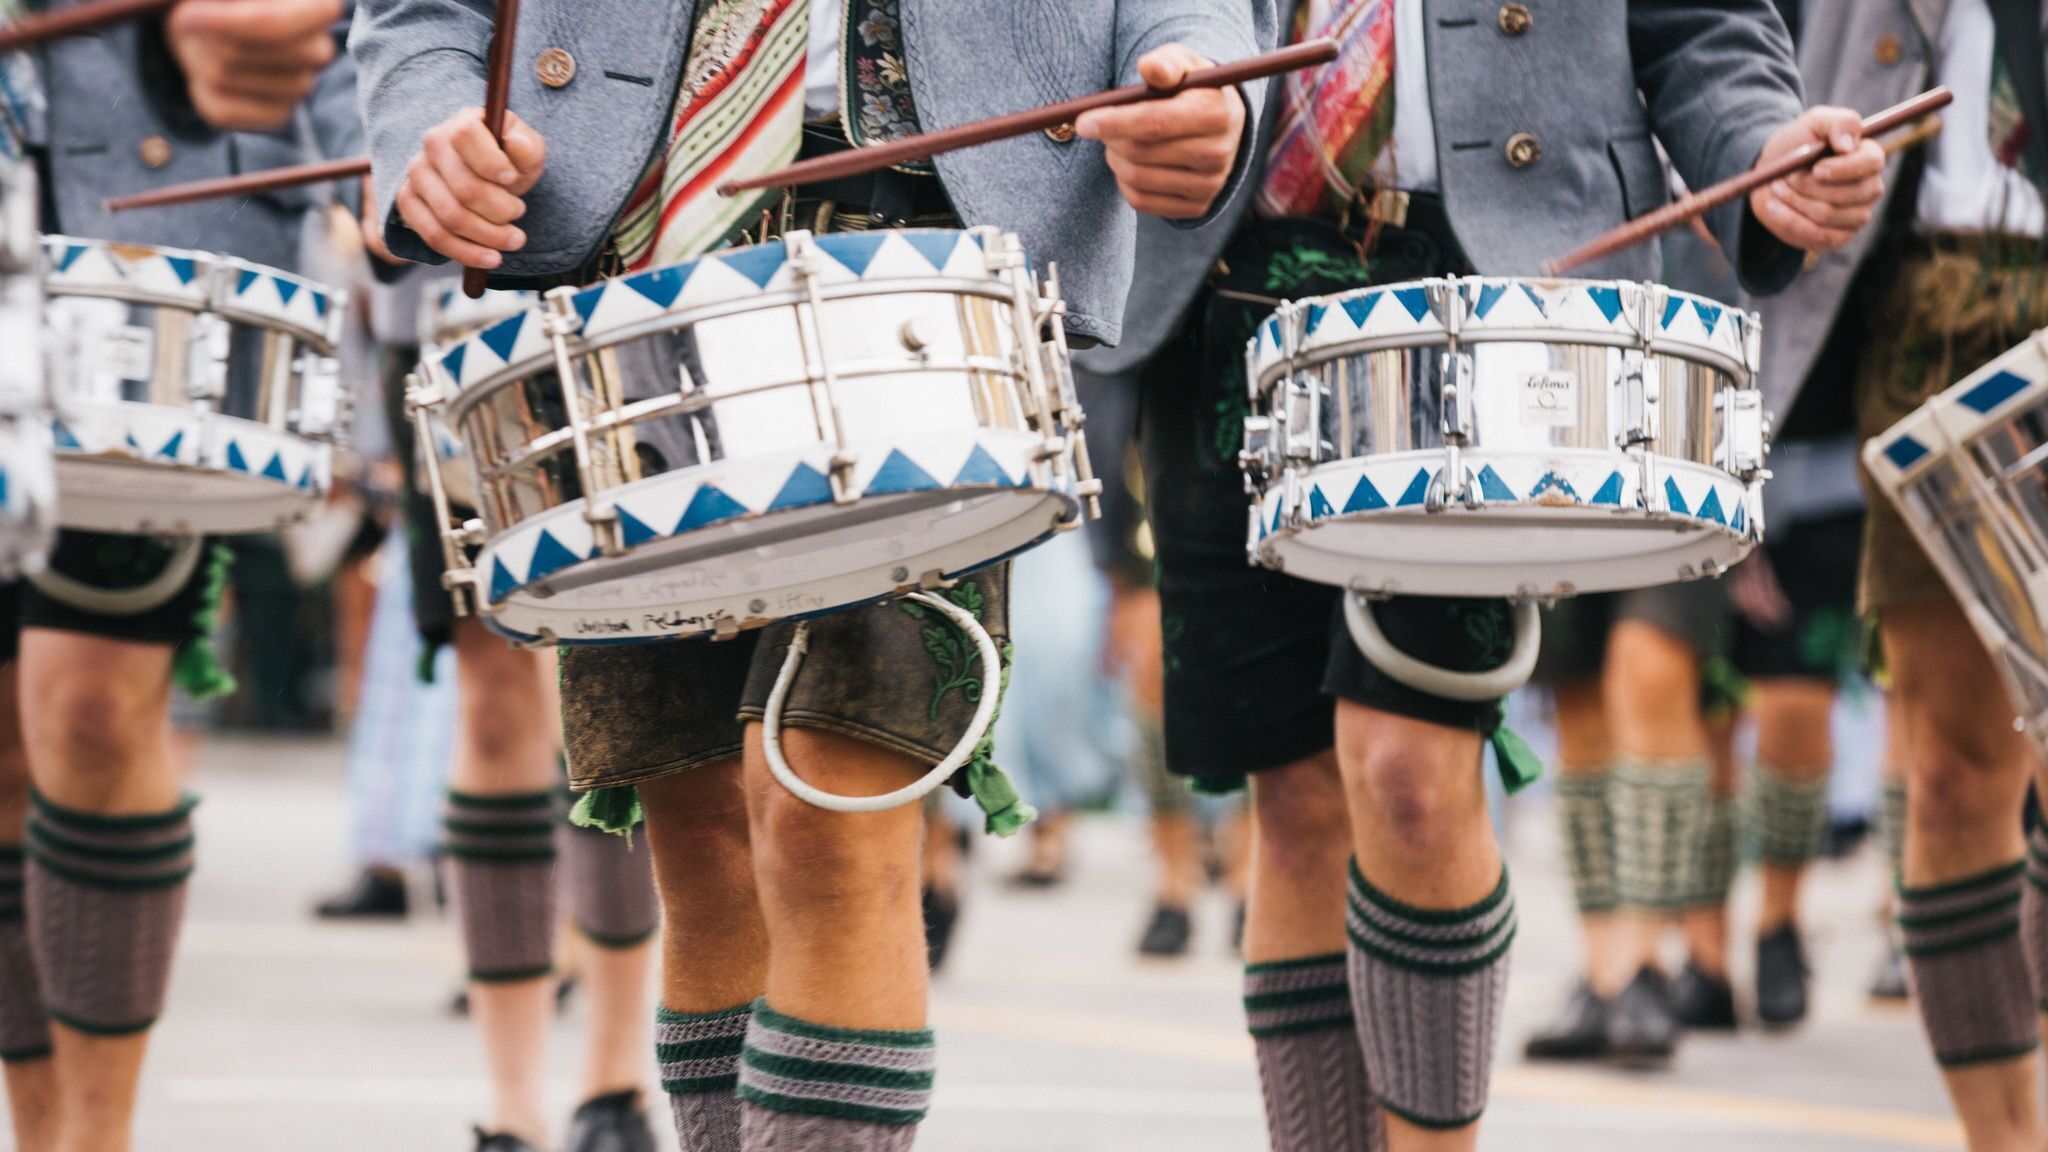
(949, 646)
(1299, 263)
(1487, 626)
(875, 101)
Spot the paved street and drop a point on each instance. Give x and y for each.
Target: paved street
(284, 1033)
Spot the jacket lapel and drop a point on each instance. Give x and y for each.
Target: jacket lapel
(1929, 15)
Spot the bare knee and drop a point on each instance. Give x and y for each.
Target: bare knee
(95, 730)
(1303, 827)
(505, 712)
(1415, 782)
(810, 858)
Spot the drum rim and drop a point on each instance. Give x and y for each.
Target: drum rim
(211, 291)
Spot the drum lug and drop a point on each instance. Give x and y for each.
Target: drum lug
(1639, 387)
(1747, 431)
(464, 588)
(1453, 481)
(841, 477)
(544, 639)
(933, 580)
(725, 628)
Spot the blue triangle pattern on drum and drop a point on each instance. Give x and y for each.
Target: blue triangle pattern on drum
(1489, 295)
(319, 303)
(936, 247)
(899, 474)
(275, 470)
(236, 461)
(1710, 508)
(1739, 519)
(3, 488)
(170, 449)
(759, 263)
(70, 257)
(1356, 307)
(1493, 487)
(661, 285)
(1365, 497)
(1608, 300)
(133, 444)
(1318, 504)
(62, 436)
(306, 479)
(286, 289)
(1315, 316)
(1418, 489)
(502, 336)
(549, 554)
(1278, 508)
(1709, 314)
(502, 583)
(1542, 309)
(1415, 300)
(856, 250)
(633, 530)
(1552, 482)
(586, 301)
(453, 362)
(1904, 451)
(709, 506)
(182, 267)
(806, 486)
(1610, 491)
(1674, 499)
(1671, 309)
(243, 281)
(981, 469)
(1988, 394)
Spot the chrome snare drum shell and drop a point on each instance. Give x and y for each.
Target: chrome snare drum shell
(195, 393)
(28, 482)
(449, 316)
(765, 433)
(1496, 436)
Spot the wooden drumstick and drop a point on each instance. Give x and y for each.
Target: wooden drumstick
(857, 161)
(250, 184)
(78, 20)
(1706, 200)
(497, 93)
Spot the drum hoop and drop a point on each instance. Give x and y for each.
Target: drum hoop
(213, 292)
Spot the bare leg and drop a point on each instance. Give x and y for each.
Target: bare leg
(1301, 838)
(1651, 685)
(1967, 772)
(96, 722)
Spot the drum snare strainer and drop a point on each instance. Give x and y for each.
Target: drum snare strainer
(1968, 472)
(763, 434)
(1501, 437)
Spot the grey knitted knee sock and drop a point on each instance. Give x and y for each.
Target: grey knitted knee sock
(1787, 815)
(2034, 915)
(1427, 988)
(1660, 813)
(700, 1066)
(1891, 823)
(105, 897)
(501, 861)
(24, 1027)
(1311, 1069)
(610, 880)
(807, 1087)
(1969, 970)
(1710, 868)
(1588, 824)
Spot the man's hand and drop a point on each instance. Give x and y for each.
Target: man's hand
(1171, 157)
(248, 63)
(373, 228)
(1822, 207)
(462, 191)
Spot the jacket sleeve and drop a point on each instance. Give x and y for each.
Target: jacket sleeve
(336, 117)
(1221, 30)
(1719, 77)
(419, 62)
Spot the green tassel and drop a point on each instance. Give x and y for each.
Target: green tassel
(615, 810)
(1518, 763)
(1724, 692)
(430, 651)
(196, 668)
(1005, 811)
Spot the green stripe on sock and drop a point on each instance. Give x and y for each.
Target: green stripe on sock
(92, 1029)
(701, 1085)
(1431, 1123)
(512, 975)
(506, 802)
(833, 1108)
(1994, 932)
(46, 835)
(1961, 915)
(1362, 887)
(709, 1048)
(1298, 997)
(1988, 1055)
(828, 1072)
(92, 821)
(1460, 968)
(492, 854)
(771, 1019)
(2003, 874)
(1326, 960)
(663, 1015)
(110, 883)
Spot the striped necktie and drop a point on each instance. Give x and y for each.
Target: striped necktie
(740, 113)
(1335, 120)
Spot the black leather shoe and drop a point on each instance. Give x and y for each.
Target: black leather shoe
(1703, 1003)
(941, 913)
(374, 895)
(501, 1142)
(1642, 1027)
(1168, 933)
(1781, 978)
(614, 1123)
(1890, 981)
(1578, 1033)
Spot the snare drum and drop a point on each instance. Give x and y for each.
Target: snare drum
(762, 434)
(447, 317)
(28, 483)
(1491, 436)
(1968, 472)
(195, 393)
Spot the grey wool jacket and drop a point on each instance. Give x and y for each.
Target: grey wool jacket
(120, 122)
(423, 60)
(1595, 85)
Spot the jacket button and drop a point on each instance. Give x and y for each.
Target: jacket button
(1515, 19)
(1523, 150)
(155, 151)
(1888, 50)
(1061, 133)
(555, 68)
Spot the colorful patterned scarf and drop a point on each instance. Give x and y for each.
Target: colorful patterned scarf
(1334, 121)
(2010, 133)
